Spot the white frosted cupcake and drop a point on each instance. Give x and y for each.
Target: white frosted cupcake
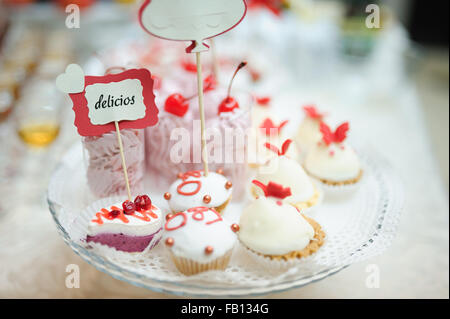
(274, 229)
(308, 133)
(193, 189)
(269, 130)
(286, 171)
(199, 240)
(332, 161)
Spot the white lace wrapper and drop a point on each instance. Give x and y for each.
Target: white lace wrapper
(104, 165)
(357, 227)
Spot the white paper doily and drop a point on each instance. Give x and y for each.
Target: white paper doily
(358, 225)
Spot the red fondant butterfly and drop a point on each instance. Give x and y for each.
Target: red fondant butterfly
(337, 137)
(284, 147)
(312, 112)
(268, 127)
(273, 189)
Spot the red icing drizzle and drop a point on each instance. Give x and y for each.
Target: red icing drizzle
(104, 213)
(200, 211)
(198, 214)
(184, 177)
(179, 226)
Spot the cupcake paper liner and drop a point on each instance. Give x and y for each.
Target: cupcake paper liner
(292, 259)
(191, 267)
(340, 189)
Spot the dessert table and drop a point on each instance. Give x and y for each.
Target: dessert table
(376, 96)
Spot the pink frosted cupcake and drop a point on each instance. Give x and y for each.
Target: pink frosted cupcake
(104, 166)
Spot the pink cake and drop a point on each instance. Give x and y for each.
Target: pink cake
(159, 143)
(104, 165)
(173, 145)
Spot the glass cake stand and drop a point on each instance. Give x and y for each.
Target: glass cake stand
(359, 224)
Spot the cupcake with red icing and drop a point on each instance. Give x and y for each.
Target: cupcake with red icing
(195, 188)
(131, 227)
(308, 133)
(199, 240)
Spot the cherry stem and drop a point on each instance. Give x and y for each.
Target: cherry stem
(196, 94)
(240, 66)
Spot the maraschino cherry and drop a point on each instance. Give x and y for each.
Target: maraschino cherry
(178, 105)
(142, 202)
(230, 103)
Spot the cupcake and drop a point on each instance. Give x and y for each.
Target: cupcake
(308, 133)
(199, 240)
(193, 189)
(104, 166)
(273, 228)
(129, 226)
(286, 171)
(262, 109)
(332, 161)
(269, 131)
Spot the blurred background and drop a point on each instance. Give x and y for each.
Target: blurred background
(392, 81)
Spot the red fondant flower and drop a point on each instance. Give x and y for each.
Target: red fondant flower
(337, 137)
(312, 112)
(268, 127)
(273, 189)
(284, 147)
(263, 100)
(188, 66)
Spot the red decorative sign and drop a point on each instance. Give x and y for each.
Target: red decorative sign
(125, 97)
